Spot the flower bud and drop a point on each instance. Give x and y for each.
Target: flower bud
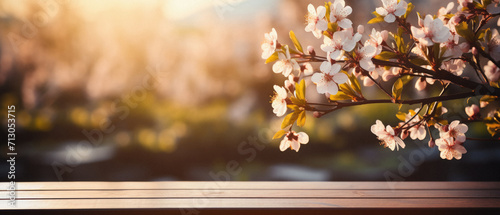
(474, 51)
(472, 111)
(432, 143)
(384, 34)
(308, 69)
(310, 50)
(317, 114)
(361, 29)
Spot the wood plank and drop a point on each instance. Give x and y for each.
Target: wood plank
(137, 194)
(219, 185)
(251, 203)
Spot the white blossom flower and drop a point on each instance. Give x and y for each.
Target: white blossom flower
(308, 69)
(422, 82)
(391, 9)
(375, 74)
(327, 81)
(285, 64)
(453, 48)
(339, 13)
(455, 66)
(450, 149)
(340, 42)
(269, 45)
(455, 129)
(492, 72)
(365, 56)
(376, 39)
(442, 12)
(279, 101)
(432, 31)
(315, 22)
(293, 140)
(387, 136)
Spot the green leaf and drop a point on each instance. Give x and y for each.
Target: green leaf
(375, 20)
(386, 55)
(272, 58)
(327, 6)
(332, 27)
(484, 34)
(400, 42)
(279, 134)
(488, 98)
(340, 96)
(401, 116)
(301, 121)
(289, 119)
(354, 83)
(464, 31)
(397, 89)
(300, 90)
(478, 5)
(419, 61)
(347, 90)
(297, 101)
(408, 10)
(296, 42)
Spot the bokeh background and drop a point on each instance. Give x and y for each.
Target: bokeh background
(176, 90)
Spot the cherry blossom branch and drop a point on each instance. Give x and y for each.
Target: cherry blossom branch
(424, 101)
(484, 54)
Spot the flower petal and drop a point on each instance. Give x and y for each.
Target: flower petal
(340, 78)
(303, 138)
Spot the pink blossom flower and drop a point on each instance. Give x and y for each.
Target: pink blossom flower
(269, 45)
(442, 12)
(376, 39)
(492, 72)
(340, 42)
(472, 111)
(387, 136)
(327, 81)
(455, 66)
(279, 101)
(450, 149)
(455, 130)
(308, 69)
(293, 140)
(339, 13)
(285, 64)
(315, 20)
(432, 31)
(391, 9)
(365, 56)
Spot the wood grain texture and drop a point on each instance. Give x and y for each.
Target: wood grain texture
(252, 195)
